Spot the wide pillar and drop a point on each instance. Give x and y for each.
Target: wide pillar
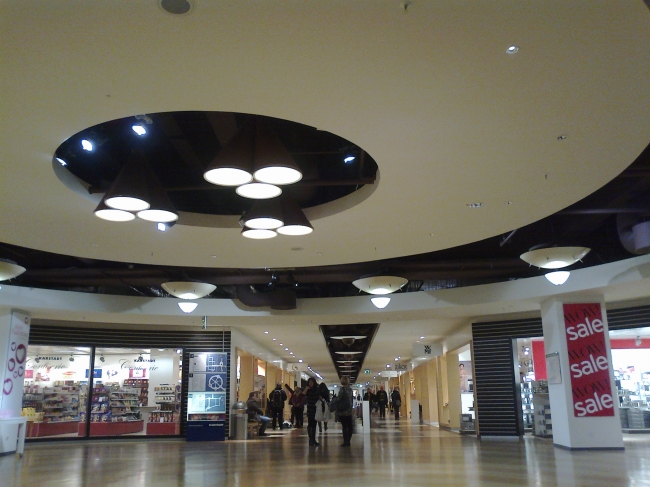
(584, 404)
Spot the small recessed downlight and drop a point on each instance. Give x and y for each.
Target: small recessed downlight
(61, 161)
(349, 159)
(139, 129)
(512, 49)
(86, 145)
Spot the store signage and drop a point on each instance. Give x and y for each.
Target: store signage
(401, 366)
(588, 361)
(14, 369)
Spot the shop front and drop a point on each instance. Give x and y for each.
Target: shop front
(78, 384)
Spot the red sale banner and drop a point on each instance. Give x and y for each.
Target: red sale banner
(588, 362)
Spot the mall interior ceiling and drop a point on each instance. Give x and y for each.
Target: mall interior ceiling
(598, 221)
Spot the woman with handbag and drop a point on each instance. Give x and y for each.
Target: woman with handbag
(313, 395)
(325, 406)
(396, 399)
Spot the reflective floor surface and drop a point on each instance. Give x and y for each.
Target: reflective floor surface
(392, 455)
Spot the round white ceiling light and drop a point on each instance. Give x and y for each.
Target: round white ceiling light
(187, 307)
(258, 234)
(380, 301)
(278, 175)
(188, 290)
(558, 277)
(113, 215)
(258, 191)
(228, 176)
(554, 257)
(9, 270)
(380, 284)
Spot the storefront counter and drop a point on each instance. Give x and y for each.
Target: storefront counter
(112, 429)
(37, 430)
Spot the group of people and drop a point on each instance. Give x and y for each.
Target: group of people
(313, 396)
(380, 401)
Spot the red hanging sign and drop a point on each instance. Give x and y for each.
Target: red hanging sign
(588, 362)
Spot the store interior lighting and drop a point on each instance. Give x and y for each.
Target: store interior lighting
(554, 257)
(9, 269)
(380, 302)
(558, 277)
(187, 307)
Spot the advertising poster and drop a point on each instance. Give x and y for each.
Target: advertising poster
(14, 368)
(588, 361)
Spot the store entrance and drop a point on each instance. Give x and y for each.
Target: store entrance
(631, 363)
(535, 404)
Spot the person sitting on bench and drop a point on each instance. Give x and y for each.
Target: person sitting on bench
(255, 412)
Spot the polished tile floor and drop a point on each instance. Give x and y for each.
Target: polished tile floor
(392, 455)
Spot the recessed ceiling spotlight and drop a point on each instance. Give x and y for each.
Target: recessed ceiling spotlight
(561, 137)
(286, 349)
(161, 227)
(396, 359)
(300, 360)
(266, 332)
(512, 49)
(61, 161)
(421, 338)
(139, 129)
(86, 145)
(274, 339)
(349, 159)
(282, 345)
(474, 205)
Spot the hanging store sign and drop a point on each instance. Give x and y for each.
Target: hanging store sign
(588, 360)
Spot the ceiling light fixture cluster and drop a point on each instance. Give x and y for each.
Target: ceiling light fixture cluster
(137, 192)
(257, 163)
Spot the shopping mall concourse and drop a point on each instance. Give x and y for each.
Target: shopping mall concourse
(215, 214)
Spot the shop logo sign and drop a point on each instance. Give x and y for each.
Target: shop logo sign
(588, 362)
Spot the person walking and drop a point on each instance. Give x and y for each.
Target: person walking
(277, 399)
(312, 395)
(297, 402)
(255, 412)
(396, 399)
(344, 409)
(325, 396)
(382, 401)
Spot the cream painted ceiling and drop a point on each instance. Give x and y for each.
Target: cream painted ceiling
(431, 94)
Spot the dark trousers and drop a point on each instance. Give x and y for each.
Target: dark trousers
(346, 425)
(311, 429)
(396, 409)
(382, 409)
(299, 414)
(277, 414)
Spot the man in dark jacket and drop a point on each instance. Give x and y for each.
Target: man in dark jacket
(255, 413)
(382, 401)
(277, 398)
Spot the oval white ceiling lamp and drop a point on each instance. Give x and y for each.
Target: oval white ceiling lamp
(233, 165)
(258, 191)
(188, 290)
(264, 215)
(111, 214)
(273, 164)
(380, 301)
(129, 191)
(9, 269)
(554, 257)
(558, 277)
(187, 307)
(161, 209)
(258, 234)
(380, 284)
(295, 221)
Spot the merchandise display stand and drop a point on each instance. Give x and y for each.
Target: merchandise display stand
(166, 419)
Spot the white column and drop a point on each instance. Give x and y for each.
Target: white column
(576, 424)
(365, 410)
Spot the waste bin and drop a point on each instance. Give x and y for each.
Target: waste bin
(240, 423)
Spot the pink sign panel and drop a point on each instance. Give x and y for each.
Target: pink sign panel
(588, 361)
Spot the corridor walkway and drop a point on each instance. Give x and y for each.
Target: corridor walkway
(393, 455)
